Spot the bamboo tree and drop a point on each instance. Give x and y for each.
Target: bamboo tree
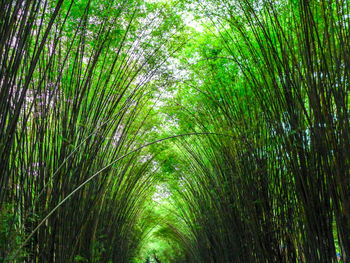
(83, 104)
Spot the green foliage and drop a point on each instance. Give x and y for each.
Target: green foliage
(76, 191)
(261, 90)
(78, 258)
(11, 232)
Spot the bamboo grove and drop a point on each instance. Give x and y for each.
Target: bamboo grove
(129, 134)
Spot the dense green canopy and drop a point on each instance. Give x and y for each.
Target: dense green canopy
(207, 131)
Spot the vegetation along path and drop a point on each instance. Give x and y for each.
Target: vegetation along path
(174, 131)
